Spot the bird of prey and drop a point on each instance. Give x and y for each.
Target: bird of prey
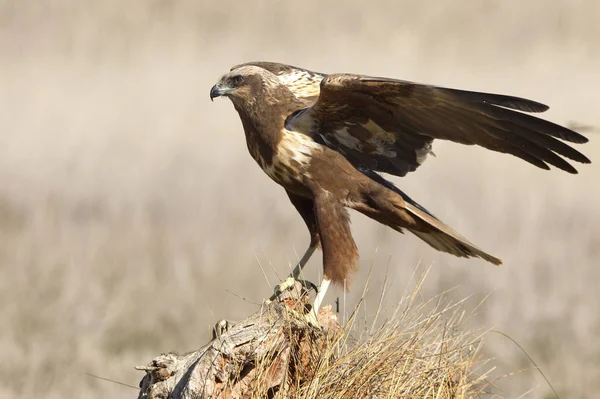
(324, 138)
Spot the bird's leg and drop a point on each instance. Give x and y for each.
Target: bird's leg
(305, 207)
(304, 260)
(290, 281)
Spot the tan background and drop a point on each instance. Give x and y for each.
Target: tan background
(129, 206)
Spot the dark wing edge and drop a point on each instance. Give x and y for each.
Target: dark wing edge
(512, 102)
(408, 116)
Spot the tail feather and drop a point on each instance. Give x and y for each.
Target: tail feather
(443, 238)
(386, 203)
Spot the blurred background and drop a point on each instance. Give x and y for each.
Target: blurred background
(132, 217)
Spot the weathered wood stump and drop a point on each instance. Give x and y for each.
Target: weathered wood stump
(274, 351)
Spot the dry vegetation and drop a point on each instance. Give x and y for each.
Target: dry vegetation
(129, 206)
(423, 350)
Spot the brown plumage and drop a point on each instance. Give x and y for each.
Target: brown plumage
(325, 137)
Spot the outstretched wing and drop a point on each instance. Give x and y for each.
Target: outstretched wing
(388, 125)
(302, 82)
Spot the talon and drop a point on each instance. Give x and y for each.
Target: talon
(308, 285)
(311, 285)
(289, 284)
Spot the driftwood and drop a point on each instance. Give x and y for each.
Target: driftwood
(271, 352)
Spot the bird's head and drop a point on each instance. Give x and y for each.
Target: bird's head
(256, 93)
(244, 84)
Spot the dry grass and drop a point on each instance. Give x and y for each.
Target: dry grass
(426, 349)
(129, 205)
(423, 351)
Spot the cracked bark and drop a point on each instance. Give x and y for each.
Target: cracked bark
(271, 352)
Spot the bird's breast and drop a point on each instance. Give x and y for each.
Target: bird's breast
(292, 158)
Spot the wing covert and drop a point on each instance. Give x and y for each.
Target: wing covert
(389, 125)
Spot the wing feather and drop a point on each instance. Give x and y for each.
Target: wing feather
(389, 125)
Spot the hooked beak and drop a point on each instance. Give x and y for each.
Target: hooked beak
(217, 91)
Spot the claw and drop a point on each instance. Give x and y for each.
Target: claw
(289, 284)
(284, 286)
(309, 285)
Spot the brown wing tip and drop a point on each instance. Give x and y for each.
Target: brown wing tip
(484, 256)
(487, 257)
(496, 261)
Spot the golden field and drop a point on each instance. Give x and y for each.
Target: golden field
(132, 217)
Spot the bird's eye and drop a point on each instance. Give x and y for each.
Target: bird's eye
(237, 80)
